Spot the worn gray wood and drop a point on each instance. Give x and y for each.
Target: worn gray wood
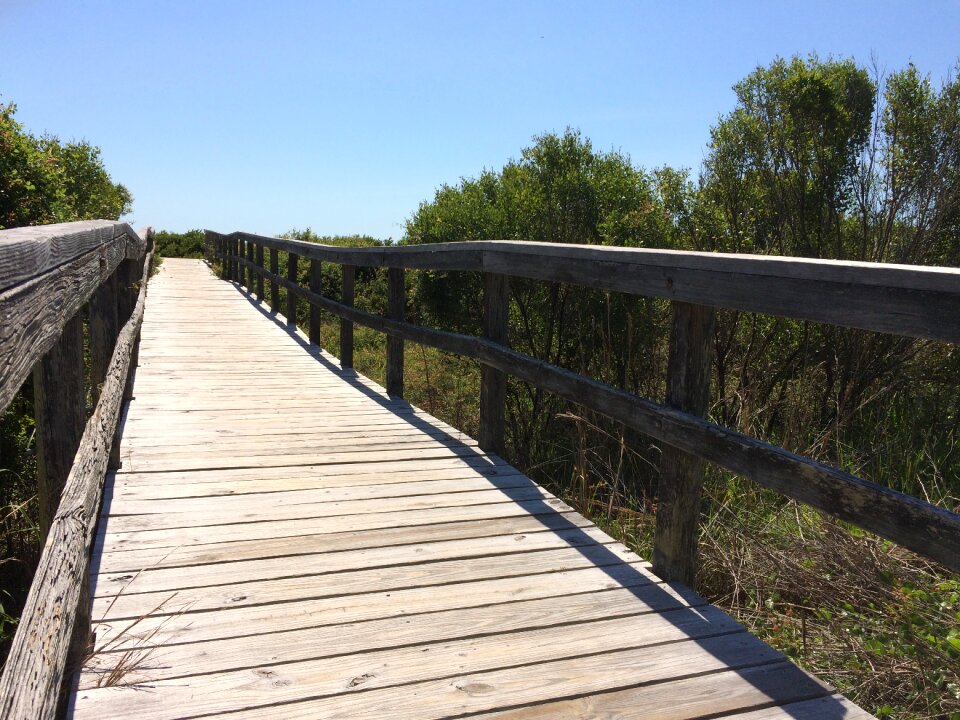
(28, 252)
(32, 315)
(493, 382)
(315, 278)
(274, 287)
(920, 526)
(346, 326)
(104, 326)
(259, 261)
(901, 299)
(292, 268)
(396, 308)
(36, 667)
(681, 473)
(59, 397)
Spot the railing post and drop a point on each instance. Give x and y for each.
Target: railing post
(346, 326)
(222, 254)
(103, 332)
(259, 261)
(681, 474)
(396, 305)
(291, 296)
(493, 383)
(315, 277)
(250, 261)
(234, 266)
(60, 404)
(126, 279)
(274, 285)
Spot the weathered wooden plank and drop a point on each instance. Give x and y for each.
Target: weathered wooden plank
(315, 280)
(681, 473)
(104, 326)
(60, 402)
(396, 309)
(29, 252)
(346, 327)
(274, 287)
(901, 299)
(613, 557)
(292, 262)
(33, 314)
(436, 660)
(36, 665)
(462, 693)
(493, 382)
(705, 696)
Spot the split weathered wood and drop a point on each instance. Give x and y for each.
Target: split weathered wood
(927, 529)
(35, 671)
(681, 473)
(54, 284)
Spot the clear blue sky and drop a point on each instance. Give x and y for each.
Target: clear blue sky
(264, 116)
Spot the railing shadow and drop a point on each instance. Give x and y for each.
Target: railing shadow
(730, 655)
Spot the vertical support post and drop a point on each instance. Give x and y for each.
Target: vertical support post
(259, 261)
(493, 383)
(396, 305)
(274, 285)
(237, 271)
(126, 279)
(291, 297)
(250, 261)
(681, 474)
(315, 277)
(346, 326)
(59, 399)
(103, 333)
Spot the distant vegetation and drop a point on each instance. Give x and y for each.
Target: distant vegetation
(187, 244)
(818, 158)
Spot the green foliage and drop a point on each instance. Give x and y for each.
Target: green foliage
(189, 244)
(43, 180)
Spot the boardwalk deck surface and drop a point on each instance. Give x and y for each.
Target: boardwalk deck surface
(283, 540)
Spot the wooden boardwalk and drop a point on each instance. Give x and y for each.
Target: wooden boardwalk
(283, 540)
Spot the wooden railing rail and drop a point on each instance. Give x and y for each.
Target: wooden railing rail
(906, 300)
(47, 274)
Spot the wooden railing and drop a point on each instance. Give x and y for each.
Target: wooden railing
(47, 275)
(922, 302)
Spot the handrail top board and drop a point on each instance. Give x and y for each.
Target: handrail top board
(471, 253)
(908, 300)
(28, 252)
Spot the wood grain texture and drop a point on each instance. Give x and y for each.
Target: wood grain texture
(35, 670)
(396, 310)
(33, 314)
(493, 382)
(689, 369)
(60, 402)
